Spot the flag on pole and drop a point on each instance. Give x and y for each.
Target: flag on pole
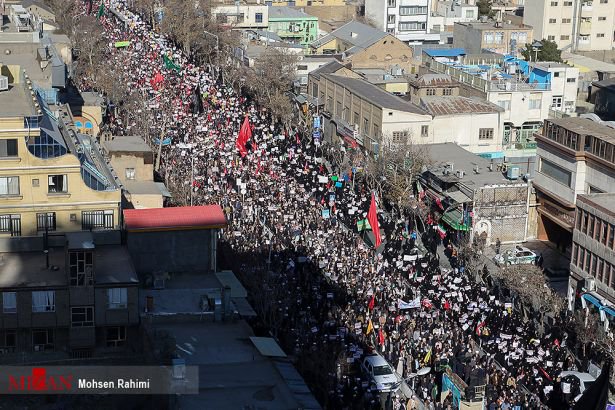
(380, 337)
(169, 64)
(245, 133)
(372, 217)
(427, 357)
(101, 10)
(372, 303)
(370, 327)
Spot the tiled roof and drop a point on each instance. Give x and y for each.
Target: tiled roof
(187, 217)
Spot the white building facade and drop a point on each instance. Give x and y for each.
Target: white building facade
(408, 20)
(583, 25)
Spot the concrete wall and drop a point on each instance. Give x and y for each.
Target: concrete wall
(555, 187)
(172, 251)
(375, 11)
(466, 131)
(249, 15)
(534, 14)
(143, 171)
(385, 53)
(519, 103)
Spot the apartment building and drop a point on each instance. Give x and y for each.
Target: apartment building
(583, 25)
(365, 47)
(447, 13)
(78, 299)
(575, 156)
(496, 37)
(241, 15)
(471, 198)
(592, 263)
(526, 99)
(408, 20)
(363, 114)
(52, 179)
(293, 25)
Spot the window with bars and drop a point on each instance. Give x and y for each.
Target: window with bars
(485, 134)
(399, 137)
(81, 268)
(10, 224)
(116, 336)
(46, 221)
(96, 220)
(82, 316)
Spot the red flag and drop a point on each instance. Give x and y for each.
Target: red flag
(245, 133)
(545, 373)
(556, 342)
(479, 328)
(372, 302)
(372, 218)
(427, 303)
(380, 337)
(447, 305)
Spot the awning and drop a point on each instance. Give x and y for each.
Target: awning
(458, 197)
(594, 300)
(454, 219)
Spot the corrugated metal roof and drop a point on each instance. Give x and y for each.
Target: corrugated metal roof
(353, 32)
(267, 346)
(208, 216)
(375, 94)
(450, 105)
(439, 52)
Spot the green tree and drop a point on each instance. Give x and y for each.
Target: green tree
(484, 8)
(548, 52)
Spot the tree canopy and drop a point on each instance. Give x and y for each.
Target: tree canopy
(548, 52)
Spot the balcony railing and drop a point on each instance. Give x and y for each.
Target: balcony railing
(565, 217)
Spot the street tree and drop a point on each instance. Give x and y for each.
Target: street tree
(485, 8)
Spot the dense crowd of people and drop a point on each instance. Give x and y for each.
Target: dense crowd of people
(344, 298)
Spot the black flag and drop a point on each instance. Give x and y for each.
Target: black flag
(595, 398)
(89, 8)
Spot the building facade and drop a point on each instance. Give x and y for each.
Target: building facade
(292, 25)
(53, 179)
(241, 15)
(582, 25)
(592, 263)
(76, 300)
(408, 20)
(575, 156)
(497, 37)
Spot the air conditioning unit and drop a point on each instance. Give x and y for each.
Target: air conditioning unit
(460, 174)
(590, 284)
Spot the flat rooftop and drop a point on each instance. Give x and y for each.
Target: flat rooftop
(490, 25)
(447, 153)
(233, 374)
(15, 102)
(28, 269)
(586, 126)
(126, 144)
(604, 200)
(279, 12)
(451, 105)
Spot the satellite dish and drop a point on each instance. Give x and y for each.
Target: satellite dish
(423, 371)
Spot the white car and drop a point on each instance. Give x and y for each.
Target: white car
(583, 379)
(380, 373)
(516, 256)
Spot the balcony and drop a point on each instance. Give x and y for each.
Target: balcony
(586, 9)
(585, 28)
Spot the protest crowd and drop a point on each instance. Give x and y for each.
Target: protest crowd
(343, 298)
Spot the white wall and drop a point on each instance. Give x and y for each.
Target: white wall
(404, 121)
(520, 111)
(466, 130)
(249, 12)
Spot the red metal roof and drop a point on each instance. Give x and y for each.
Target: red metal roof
(187, 217)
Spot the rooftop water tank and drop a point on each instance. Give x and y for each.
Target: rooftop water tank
(512, 172)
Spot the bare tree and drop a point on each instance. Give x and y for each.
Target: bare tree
(183, 22)
(91, 47)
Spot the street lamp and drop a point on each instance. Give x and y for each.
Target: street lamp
(420, 372)
(536, 45)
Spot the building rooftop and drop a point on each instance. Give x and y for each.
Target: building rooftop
(450, 153)
(434, 80)
(29, 269)
(146, 188)
(608, 84)
(205, 217)
(491, 25)
(443, 52)
(375, 94)
(278, 12)
(353, 32)
(452, 105)
(586, 126)
(328, 68)
(603, 200)
(15, 102)
(28, 3)
(126, 144)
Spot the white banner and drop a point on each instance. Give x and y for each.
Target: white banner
(413, 304)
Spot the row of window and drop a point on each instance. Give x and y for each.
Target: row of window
(45, 301)
(600, 148)
(569, 3)
(55, 184)
(43, 339)
(46, 222)
(556, 172)
(592, 264)
(433, 91)
(595, 228)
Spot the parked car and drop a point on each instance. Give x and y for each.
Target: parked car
(582, 380)
(517, 256)
(380, 372)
